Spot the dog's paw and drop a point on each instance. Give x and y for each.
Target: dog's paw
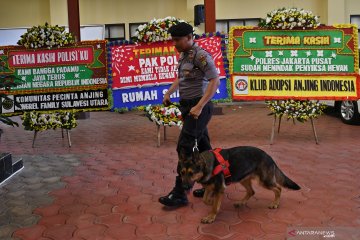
(274, 205)
(208, 219)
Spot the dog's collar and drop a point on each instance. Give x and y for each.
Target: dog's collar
(223, 166)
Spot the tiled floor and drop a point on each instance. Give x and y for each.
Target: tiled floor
(107, 185)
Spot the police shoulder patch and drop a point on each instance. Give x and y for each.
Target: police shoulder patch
(203, 59)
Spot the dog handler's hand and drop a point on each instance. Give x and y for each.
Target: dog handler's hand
(166, 100)
(195, 111)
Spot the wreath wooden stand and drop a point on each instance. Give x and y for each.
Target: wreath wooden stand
(278, 130)
(158, 134)
(62, 135)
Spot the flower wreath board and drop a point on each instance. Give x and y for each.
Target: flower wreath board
(56, 73)
(56, 77)
(142, 70)
(291, 57)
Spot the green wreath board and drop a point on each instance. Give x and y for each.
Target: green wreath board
(297, 110)
(44, 46)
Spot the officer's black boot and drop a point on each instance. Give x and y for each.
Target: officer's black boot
(199, 193)
(177, 197)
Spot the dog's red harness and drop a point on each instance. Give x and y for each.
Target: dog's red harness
(223, 164)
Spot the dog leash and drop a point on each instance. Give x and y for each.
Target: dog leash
(195, 148)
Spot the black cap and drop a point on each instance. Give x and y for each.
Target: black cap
(181, 30)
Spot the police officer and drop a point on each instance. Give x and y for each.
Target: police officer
(197, 82)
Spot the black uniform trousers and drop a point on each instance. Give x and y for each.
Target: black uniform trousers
(194, 128)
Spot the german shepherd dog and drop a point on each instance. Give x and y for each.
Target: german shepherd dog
(246, 163)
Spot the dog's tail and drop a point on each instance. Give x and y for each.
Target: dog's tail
(284, 181)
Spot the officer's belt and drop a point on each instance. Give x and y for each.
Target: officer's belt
(189, 102)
